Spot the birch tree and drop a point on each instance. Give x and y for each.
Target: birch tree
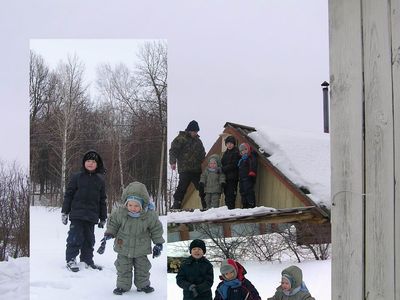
(69, 103)
(153, 73)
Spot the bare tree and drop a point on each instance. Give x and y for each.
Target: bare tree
(153, 73)
(67, 107)
(38, 85)
(14, 211)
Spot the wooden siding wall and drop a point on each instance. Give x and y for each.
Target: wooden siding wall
(365, 134)
(271, 192)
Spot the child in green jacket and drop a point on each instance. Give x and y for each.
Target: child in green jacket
(134, 226)
(292, 286)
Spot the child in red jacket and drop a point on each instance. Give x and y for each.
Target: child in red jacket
(234, 286)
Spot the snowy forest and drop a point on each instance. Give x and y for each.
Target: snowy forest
(125, 121)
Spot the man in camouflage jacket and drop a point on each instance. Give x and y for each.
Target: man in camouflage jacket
(186, 154)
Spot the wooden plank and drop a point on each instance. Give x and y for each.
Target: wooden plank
(395, 18)
(346, 105)
(379, 155)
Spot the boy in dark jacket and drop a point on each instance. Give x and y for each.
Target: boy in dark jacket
(196, 275)
(229, 162)
(234, 286)
(292, 286)
(247, 175)
(84, 204)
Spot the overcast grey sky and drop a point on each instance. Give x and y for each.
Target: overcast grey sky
(250, 62)
(90, 52)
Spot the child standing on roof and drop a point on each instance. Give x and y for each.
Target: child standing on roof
(292, 286)
(234, 286)
(229, 162)
(247, 175)
(212, 182)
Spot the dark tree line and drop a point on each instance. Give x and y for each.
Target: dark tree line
(125, 124)
(14, 212)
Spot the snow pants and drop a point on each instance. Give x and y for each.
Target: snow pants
(246, 186)
(230, 192)
(212, 199)
(185, 178)
(141, 268)
(80, 238)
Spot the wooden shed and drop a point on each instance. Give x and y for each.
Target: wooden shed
(273, 188)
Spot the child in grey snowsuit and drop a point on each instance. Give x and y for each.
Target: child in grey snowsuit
(212, 182)
(196, 275)
(84, 204)
(134, 226)
(292, 286)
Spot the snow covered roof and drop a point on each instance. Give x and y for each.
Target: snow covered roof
(303, 157)
(223, 214)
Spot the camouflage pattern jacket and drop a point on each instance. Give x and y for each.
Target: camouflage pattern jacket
(188, 151)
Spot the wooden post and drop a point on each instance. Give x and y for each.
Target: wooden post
(379, 155)
(365, 139)
(395, 18)
(346, 107)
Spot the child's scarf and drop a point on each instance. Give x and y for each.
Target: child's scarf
(243, 158)
(223, 289)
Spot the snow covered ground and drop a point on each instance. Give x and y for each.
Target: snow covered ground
(49, 278)
(14, 279)
(266, 277)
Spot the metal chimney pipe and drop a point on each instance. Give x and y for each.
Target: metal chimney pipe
(326, 106)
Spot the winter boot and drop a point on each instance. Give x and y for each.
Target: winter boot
(146, 289)
(93, 266)
(72, 265)
(119, 291)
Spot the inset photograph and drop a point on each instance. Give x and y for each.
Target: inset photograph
(98, 174)
(266, 218)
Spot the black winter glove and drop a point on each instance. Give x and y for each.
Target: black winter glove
(64, 218)
(101, 223)
(223, 185)
(192, 288)
(108, 236)
(157, 250)
(102, 247)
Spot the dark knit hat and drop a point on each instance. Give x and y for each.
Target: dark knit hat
(230, 139)
(193, 126)
(91, 156)
(228, 265)
(199, 244)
